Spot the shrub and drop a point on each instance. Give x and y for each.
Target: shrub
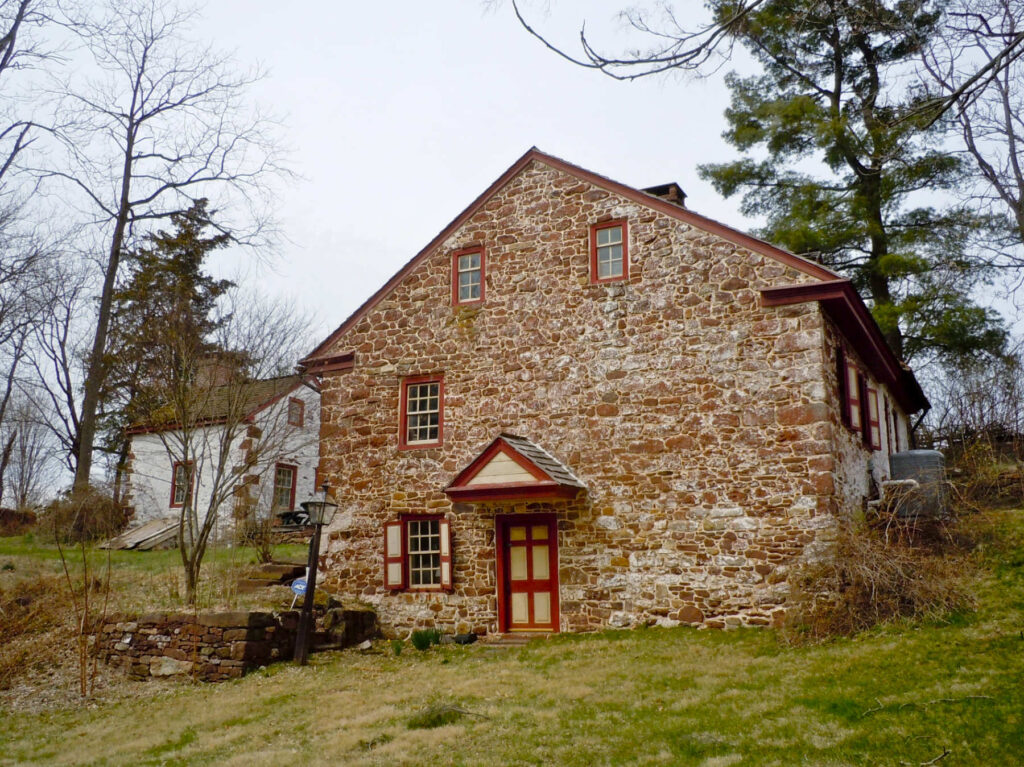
(83, 517)
(396, 646)
(891, 569)
(422, 639)
(14, 522)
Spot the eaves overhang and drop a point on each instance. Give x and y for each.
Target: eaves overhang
(840, 300)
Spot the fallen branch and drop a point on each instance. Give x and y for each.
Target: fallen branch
(946, 700)
(902, 706)
(945, 752)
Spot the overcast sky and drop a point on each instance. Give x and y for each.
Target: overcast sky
(399, 114)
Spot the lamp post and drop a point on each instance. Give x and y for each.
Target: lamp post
(320, 508)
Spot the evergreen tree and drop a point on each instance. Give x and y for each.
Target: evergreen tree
(836, 94)
(166, 295)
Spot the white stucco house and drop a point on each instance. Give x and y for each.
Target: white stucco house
(269, 435)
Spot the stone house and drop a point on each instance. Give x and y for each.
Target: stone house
(269, 429)
(583, 405)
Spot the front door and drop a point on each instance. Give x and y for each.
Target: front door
(528, 572)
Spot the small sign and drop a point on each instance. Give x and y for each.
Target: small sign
(299, 586)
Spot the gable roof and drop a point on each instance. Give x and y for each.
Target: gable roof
(533, 154)
(536, 473)
(223, 401)
(839, 296)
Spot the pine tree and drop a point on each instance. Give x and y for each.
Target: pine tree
(836, 95)
(166, 295)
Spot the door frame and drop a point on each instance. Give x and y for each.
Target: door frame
(502, 522)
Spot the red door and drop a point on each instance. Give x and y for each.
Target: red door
(528, 573)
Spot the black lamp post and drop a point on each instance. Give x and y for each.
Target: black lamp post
(320, 508)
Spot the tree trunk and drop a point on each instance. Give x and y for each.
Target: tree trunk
(97, 362)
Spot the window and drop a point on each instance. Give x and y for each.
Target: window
(468, 276)
(853, 397)
(422, 416)
(609, 253)
(417, 554)
(181, 478)
(296, 411)
(284, 488)
(874, 432)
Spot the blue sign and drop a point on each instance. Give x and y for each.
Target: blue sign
(299, 586)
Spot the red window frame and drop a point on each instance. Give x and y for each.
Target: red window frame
(455, 275)
(401, 557)
(295, 476)
(594, 229)
(403, 421)
(174, 481)
(301, 409)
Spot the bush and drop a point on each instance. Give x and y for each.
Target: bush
(14, 522)
(83, 517)
(258, 532)
(891, 569)
(422, 639)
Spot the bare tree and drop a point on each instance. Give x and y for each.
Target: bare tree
(208, 424)
(21, 48)
(58, 352)
(151, 122)
(701, 48)
(990, 116)
(21, 310)
(30, 456)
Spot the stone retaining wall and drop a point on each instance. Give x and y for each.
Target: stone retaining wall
(213, 647)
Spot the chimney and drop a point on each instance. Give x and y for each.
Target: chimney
(217, 368)
(670, 192)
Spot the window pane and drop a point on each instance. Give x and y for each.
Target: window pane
(423, 405)
(424, 552)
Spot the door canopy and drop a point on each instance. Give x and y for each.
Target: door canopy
(512, 467)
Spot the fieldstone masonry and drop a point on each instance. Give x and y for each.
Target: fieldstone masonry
(214, 646)
(703, 424)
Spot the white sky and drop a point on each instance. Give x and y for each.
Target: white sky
(399, 114)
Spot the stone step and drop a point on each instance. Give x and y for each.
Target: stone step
(512, 640)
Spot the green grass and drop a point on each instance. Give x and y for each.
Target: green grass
(141, 580)
(898, 694)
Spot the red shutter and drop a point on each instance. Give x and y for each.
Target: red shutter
(853, 402)
(394, 559)
(873, 420)
(445, 528)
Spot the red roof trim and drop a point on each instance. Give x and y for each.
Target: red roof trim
(248, 417)
(329, 364)
(465, 476)
(545, 487)
(662, 206)
(844, 305)
(511, 491)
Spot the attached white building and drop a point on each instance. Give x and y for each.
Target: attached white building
(270, 467)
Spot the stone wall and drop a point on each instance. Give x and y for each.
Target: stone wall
(213, 647)
(699, 421)
(210, 646)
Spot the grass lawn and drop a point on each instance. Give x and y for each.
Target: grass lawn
(898, 695)
(140, 580)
